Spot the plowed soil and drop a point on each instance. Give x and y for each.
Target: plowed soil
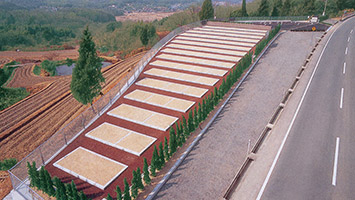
(27, 124)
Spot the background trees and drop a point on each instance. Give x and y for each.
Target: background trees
(87, 76)
(207, 11)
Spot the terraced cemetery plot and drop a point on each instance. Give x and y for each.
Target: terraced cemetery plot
(121, 138)
(173, 87)
(254, 41)
(196, 48)
(196, 61)
(91, 167)
(143, 116)
(201, 55)
(227, 34)
(182, 76)
(241, 46)
(226, 31)
(187, 67)
(160, 100)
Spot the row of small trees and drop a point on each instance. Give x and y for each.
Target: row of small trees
(264, 42)
(41, 180)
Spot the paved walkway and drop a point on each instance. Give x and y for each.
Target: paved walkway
(210, 167)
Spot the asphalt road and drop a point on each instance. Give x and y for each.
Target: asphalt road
(318, 157)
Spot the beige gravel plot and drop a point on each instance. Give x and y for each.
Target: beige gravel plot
(191, 68)
(211, 50)
(226, 34)
(121, 138)
(143, 116)
(196, 61)
(108, 133)
(221, 38)
(202, 55)
(236, 29)
(160, 100)
(229, 31)
(91, 167)
(173, 87)
(182, 76)
(200, 41)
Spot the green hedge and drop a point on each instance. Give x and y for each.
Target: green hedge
(7, 164)
(264, 42)
(37, 70)
(10, 96)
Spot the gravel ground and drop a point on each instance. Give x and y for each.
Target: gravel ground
(209, 168)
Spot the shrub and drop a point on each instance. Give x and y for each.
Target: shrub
(7, 164)
(37, 70)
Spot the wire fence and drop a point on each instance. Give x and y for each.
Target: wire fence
(279, 18)
(56, 143)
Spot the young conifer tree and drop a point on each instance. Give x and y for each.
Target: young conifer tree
(166, 149)
(161, 155)
(126, 195)
(134, 187)
(145, 172)
(172, 141)
(139, 179)
(119, 193)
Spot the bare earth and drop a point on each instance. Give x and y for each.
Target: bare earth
(209, 168)
(143, 16)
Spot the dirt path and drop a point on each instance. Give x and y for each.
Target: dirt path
(27, 124)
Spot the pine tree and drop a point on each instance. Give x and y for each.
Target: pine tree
(69, 191)
(157, 158)
(207, 11)
(145, 172)
(49, 184)
(126, 194)
(263, 9)
(286, 8)
(75, 192)
(216, 98)
(153, 166)
(166, 149)
(161, 154)
(178, 135)
(190, 122)
(87, 76)
(275, 11)
(139, 179)
(204, 111)
(196, 122)
(60, 193)
(309, 7)
(244, 9)
(42, 180)
(200, 113)
(119, 193)
(108, 197)
(134, 187)
(32, 172)
(82, 196)
(144, 36)
(172, 141)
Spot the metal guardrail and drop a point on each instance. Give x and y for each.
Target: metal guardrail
(280, 18)
(61, 139)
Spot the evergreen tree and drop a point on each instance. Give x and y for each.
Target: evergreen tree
(60, 193)
(200, 113)
(161, 154)
(309, 7)
(42, 180)
(33, 174)
(119, 193)
(144, 36)
(82, 196)
(75, 193)
(49, 184)
(126, 195)
(172, 141)
(263, 9)
(178, 135)
(216, 98)
(108, 197)
(157, 162)
(145, 172)
(196, 122)
(244, 9)
(139, 179)
(134, 187)
(185, 128)
(204, 111)
(166, 149)
(87, 76)
(190, 121)
(286, 8)
(207, 11)
(275, 11)
(69, 191)
(153, 166)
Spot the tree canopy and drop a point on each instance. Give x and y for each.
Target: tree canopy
(87, 76)
(263, 9)
(207, 11)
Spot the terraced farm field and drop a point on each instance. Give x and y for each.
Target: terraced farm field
(27, 124)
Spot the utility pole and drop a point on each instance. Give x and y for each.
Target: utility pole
(325, 7)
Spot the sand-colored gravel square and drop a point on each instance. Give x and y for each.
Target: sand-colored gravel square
(135, 143)
(196, 61)
(182, 76)
(160, 100)
(233, 28)
(173, 87)
(202, 55)
(161, 121)
(205, 49)
(226, 34)
(230, 31)
(108, 133)
(221, 37)
(142, 116)
(90, 166)
(187, 67)
(241, 46)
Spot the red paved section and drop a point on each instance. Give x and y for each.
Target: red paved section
(129, 159)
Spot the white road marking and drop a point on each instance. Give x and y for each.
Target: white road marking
(291, 124)
(341, 97)
(351, 31)
(346, 50)
(348, 38)
(344, 67)
(334, 180)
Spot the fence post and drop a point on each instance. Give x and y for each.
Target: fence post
(65, 138)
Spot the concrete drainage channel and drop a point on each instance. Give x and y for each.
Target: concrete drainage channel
(160, 185)
(268, 128)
